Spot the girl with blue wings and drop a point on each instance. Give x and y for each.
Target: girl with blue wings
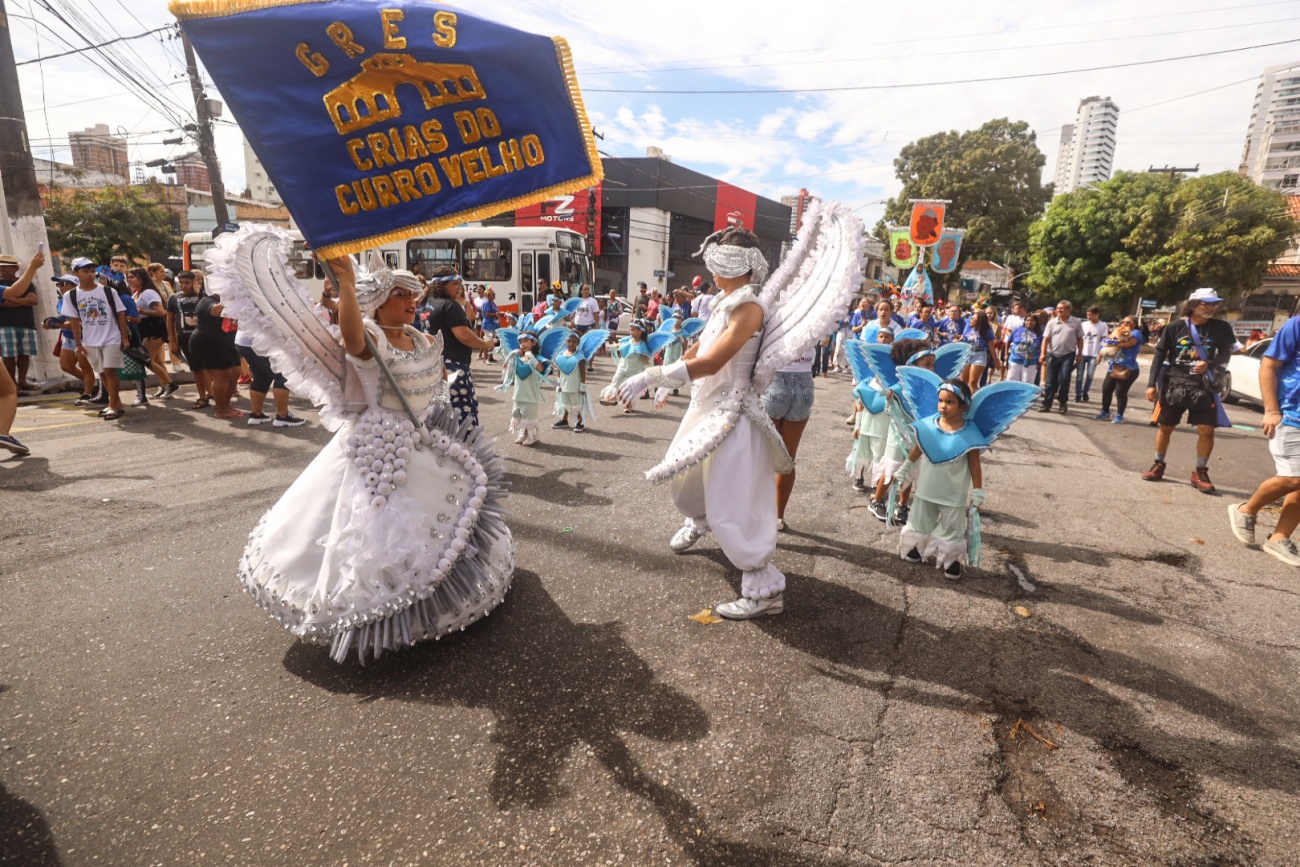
(870, 421)
(524, 371)
(633, 354)
(571, 367)
(951, 429)
(682, 331)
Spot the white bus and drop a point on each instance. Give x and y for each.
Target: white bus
(194, 248)
(507, 259)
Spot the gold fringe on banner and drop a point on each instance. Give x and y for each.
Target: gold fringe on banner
(191, 10)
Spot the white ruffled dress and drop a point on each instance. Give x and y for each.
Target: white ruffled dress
(722, 460)
(393, 533)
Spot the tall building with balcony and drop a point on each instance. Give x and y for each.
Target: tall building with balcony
(260, 188)
(1271, 156)
(96, 149)
(1087, 149)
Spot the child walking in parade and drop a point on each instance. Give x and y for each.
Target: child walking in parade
(525, 369)
(633, 354)
(952, 427)
(572, 365)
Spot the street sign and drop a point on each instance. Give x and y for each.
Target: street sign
(1149, 303)
(659, 274)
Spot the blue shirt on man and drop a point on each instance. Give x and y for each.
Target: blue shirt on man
(1286, 349)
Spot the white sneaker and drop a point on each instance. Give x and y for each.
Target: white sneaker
(780, 525)
(745, 608)
(1284, 550)
(684, 538)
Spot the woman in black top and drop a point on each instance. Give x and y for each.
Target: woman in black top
(212, 349)
(444, 313)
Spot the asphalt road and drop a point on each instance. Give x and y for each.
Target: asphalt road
(1146, 711)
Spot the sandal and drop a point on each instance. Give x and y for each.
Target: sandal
(113, 414)
(202, 403)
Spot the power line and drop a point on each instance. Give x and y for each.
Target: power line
(885, 57)
(92, 47)
(916, 84)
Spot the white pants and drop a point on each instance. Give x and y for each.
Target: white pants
(1021, 372)
(732, 493)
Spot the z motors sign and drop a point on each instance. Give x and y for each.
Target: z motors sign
(579, 211)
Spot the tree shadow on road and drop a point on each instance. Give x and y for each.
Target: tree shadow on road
(553, 686)
(548, 487)
(1042, 669)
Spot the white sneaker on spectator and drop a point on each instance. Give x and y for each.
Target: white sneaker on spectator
(1284, 550)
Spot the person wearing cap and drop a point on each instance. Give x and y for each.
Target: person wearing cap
(1190, 357)
(69, 361)
(98, 318)
(17, 319)
(446, 315)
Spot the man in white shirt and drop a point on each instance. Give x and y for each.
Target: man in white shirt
(99, 335)
(702, 306)
(1094, 332)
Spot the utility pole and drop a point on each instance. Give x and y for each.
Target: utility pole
(1174, 170)
(207, 149)
(23, 226)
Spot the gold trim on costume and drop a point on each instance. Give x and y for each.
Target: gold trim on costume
(191, 10)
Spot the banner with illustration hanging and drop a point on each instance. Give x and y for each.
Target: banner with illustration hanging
(946, 253)
(380, 121)
(917, 284)
(901, 250)
(927, 221)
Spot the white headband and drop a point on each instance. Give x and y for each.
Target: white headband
(728, 260)
(376, 287)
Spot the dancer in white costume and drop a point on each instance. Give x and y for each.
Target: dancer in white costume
(394, 533)
(726, 452)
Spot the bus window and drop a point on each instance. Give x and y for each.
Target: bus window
(573, 268)
(303, 263)
(392, 259)
(425, 254)
(486, 260)
(198, 255)
(526, 281)
(544, 267)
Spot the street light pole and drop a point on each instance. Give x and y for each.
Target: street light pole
(207, 149)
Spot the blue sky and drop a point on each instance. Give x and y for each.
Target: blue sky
(839, 144)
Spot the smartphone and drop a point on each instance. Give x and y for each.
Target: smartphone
(40, 248)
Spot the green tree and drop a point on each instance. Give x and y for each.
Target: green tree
(1159, 237)
(992, 176)
(1091, 244)
(99, 223)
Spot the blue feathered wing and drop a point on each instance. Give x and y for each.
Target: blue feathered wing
(658, 340)
(996, 406)
(881, 363)
(692, 326)
(667, 325)
(509, 338)
(856, 351)
(950, 359)
(591, 342)
(571, 306)
(551, 341)
(920, 388)
(911, 334)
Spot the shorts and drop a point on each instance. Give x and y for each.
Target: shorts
(978, 358)
(1171, 417)
(212, 351)
(104, 357)
(68, 344)
(789, 397)
(16, 340)
(1285, 449)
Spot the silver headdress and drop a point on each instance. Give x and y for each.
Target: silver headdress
(728, 260)
(376, 284)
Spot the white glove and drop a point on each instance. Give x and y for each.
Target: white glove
(634, 387)
(674, 375)
(905, 469)
(977, 497)
(661, 397)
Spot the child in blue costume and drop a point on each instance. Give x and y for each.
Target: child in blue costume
(571, 367)
(893, 452)
(525, 369)
(870, 419)
(633, 354)
(936, 523)
(951, 429)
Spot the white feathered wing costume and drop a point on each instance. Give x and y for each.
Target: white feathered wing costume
(395, 532)
(722, 461)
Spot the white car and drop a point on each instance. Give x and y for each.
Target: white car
(1243, 373)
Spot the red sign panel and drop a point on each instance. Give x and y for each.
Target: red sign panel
(579, 212)
(735, 207)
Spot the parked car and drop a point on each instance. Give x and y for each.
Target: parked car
(1243, 373)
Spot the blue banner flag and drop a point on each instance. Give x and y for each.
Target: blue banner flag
(377, 121)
